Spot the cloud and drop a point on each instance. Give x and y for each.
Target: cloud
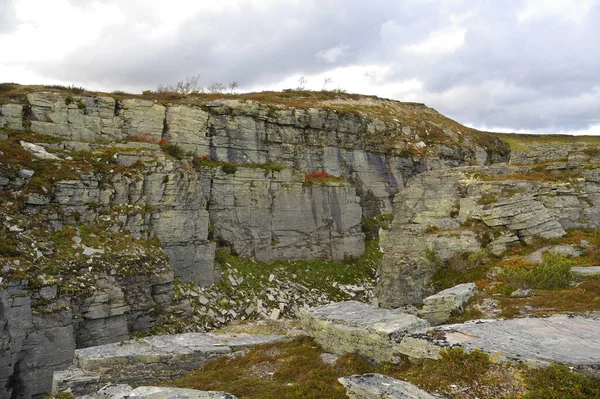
(8, 16)
(516, 64)
(333, 54)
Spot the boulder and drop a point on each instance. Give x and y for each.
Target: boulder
(348, 327)
(437, 308)
(377, 386)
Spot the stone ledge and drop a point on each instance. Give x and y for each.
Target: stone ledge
(351, 326)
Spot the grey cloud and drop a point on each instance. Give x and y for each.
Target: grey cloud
(8, 16)
(538, 75)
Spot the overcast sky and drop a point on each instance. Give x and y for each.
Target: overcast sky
(512, 65)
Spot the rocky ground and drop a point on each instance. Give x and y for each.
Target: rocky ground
(327, 236)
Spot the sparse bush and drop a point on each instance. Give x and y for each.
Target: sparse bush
(69, 100)
(191, 85)
(147, 92)
(216, 88)
(173, 150)
(553, 273)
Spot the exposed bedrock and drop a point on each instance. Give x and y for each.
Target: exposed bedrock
(444, 213)
(375, 154)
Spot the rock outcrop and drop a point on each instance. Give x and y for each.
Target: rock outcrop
(355, 327)
(442, 214)
(562, 339)
(147, 360)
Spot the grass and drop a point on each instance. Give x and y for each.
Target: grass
(431, 126)
(317, 274)
(276, 371)
(294, 370)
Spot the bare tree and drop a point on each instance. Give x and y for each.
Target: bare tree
(216, 87)
(191, 85)
(232, 86)
(326, 81)
(301, 83)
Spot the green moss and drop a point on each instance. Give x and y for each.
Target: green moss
(372, 225)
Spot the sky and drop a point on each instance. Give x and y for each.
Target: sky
(512, 65)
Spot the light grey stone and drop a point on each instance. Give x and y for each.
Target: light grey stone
(565, 339)
(38, 151)
(585, 271)
(179, 393)
(438, 308)
(347, 327)
(377, 386)
(138, 362)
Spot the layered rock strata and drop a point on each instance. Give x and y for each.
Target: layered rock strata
(446, 213)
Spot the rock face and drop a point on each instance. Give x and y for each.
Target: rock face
(348, 327)
(570, 340)
(438, 308)
(145, 361)
(243, 132)
(278, 217)
(377, 386)
(442, 214)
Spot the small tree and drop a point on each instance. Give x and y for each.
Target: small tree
(301, 83)
(216, 87)
(232, 86)
(326, 81)
(191, 85)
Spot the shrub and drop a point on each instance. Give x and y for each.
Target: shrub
(553, 273)
(173, 150)
(229, 168)
(558, 381)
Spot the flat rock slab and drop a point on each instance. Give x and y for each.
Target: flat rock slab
(586, 271)
(347, 327)
(176, 393)
(377, 386)
(144, 361)
(571, 340)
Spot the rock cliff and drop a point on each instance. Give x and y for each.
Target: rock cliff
(106, 198)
